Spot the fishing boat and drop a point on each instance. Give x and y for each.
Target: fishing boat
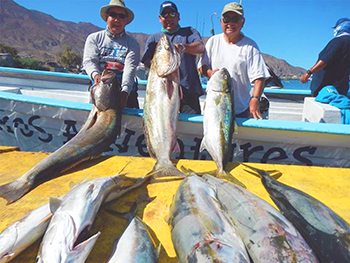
(40, 111)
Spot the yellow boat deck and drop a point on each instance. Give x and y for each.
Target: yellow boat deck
(329, 185)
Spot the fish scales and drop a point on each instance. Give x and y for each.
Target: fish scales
(24, 232)
(218, 121)
(269, 237)
(97, 134)
(75, 213)
(200, 231)
(135, 245)
(161, 107)
(326, 232)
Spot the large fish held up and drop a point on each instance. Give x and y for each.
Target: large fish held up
(326, 232)
(218, 122)
(200, 230)
(268, 236)
(161, 107)
(65, 239)
(97, 134)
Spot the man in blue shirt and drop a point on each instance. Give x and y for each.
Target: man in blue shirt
(192, 43)
(333, 65)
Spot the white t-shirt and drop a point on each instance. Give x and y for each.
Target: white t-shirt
(244, 62)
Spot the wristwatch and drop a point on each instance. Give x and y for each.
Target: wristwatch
(309, 72)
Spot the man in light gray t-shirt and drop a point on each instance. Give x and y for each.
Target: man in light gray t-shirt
(240, 55)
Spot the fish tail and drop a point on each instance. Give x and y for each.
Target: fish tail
(14, 190)
(263, 173)
(166, 170)
(222, 174)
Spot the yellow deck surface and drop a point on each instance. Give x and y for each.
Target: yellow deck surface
(329, 185)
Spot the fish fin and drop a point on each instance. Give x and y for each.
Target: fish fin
(203, 146)
(229, 177)
(91, 120)
(235, 127)
(181, 94)
(169, 88)
(159, 248)
(14, 190)
(176, 148)
(165, 171)
(128, 215)
(83, 249)
(55, 203)
(262, 173)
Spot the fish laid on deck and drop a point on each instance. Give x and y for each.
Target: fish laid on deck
(74, 214)
(200, 230)
(327, 233)
(97, 134)
(218, 122)
(161, 107)
(269, 237)
(21, 234)
(135, 245)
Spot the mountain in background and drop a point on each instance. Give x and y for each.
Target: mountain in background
(41, 36)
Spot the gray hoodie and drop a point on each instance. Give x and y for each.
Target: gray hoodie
(102, 47)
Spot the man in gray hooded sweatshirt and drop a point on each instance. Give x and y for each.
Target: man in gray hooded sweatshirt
(113, 49)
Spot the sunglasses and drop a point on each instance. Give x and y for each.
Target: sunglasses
(171, 14)
(117, 15)
(234, 19)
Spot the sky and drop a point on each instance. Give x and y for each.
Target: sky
(293, 30)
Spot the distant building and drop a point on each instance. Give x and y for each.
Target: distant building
(6, 60)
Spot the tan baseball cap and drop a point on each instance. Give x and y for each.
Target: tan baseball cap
(233, 7)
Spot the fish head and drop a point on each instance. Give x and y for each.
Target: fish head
(220, 81)
(106, 92)
(60, 241)
(214, 251)
(166, 58)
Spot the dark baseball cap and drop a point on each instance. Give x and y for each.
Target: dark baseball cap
(167, 4)
(341, 20)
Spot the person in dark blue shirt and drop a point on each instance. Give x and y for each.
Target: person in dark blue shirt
(192, 43)
(333, 65)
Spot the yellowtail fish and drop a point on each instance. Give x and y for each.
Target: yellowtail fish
(161, 107)
(268, 236)
(218, 122)
(135, 245)
(326, 232)
(200, 230)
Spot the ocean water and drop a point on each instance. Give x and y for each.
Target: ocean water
(295, 85)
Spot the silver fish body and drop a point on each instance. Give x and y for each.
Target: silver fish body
(75, 213)
(21, 234)
(326, 232)
(218, 120)
(268, 236)
(161, 107)
(200, 231)
(99, 131)
(135, 245)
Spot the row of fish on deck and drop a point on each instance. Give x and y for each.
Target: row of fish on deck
(211, 220)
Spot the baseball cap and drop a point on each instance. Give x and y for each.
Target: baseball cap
(167, 4)
(341, 20)
(233, 7)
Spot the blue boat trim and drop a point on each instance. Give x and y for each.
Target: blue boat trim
(298, 126)
(44, 73)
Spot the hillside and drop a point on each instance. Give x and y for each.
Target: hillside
(41, 36)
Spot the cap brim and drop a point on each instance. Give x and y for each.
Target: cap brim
(129, 13)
